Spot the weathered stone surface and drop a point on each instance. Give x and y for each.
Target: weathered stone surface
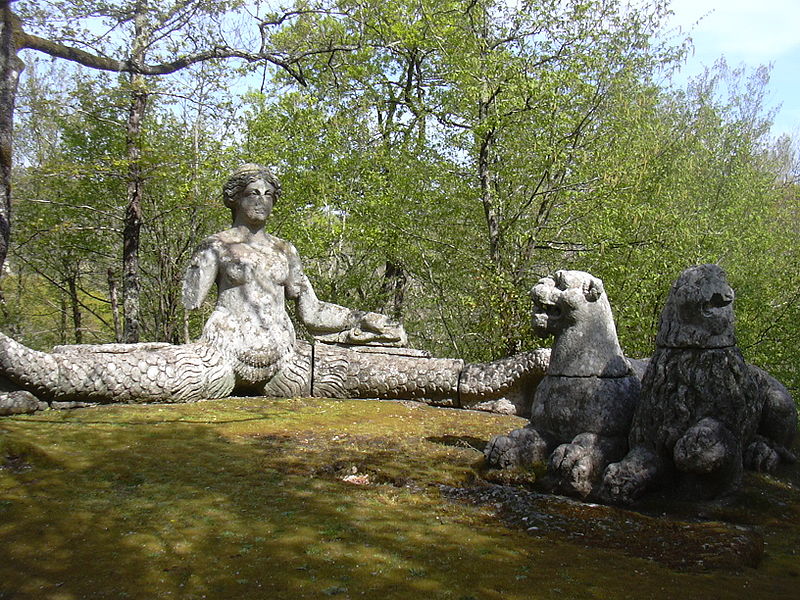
(779, 413)
(521, 447)
(108, 348)
(19, 402)
(70, 405)
(249, 343)
(582, 409)
(505, 385)
(699, 311)
(566, 406)
(704, 414)
(349, 373)
(573, 307)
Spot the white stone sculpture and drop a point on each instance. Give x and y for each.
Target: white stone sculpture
(249, 345)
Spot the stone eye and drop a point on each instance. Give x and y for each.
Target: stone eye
(718, 300)
(553, 310)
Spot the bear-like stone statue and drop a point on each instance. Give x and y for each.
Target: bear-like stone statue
(704, 414)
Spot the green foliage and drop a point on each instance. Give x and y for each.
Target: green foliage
(688, 181)
(66, 214)
(454, 154)
(71, 201)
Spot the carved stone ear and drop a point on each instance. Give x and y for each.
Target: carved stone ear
(593, 290)
(539, 291)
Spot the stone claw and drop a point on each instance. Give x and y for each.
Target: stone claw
(786, 455)
(622, 485)
(760, 456)
(524, 446)
(501, 452)
(574, 467)
(625, 481)
(578, 466)
(705, 448)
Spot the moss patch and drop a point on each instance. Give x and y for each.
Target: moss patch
(254, 498)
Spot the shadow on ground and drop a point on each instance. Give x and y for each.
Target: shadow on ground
(247, 498)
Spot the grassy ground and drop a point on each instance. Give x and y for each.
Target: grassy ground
(253, 498)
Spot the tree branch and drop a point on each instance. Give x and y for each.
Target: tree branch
(286, 62)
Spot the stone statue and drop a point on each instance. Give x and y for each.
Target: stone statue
(249, 344)
(582, 409)
(704, 413)
(256, 273)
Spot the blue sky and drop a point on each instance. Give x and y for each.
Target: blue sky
(753, 33)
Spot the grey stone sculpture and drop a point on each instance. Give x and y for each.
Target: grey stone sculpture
(19, 402)
(582, 409)
(704, 414)
(248, 344)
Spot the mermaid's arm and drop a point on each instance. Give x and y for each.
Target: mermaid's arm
(200, 275)
(333, 323)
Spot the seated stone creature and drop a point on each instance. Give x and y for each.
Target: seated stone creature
(704, 413)
(582, 409)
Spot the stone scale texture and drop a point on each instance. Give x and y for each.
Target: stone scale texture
(249, 345)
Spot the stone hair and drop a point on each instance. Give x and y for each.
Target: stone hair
(245, 175)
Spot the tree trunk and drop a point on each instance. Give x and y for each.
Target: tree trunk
(77, 318)
(133, 213)
(484, 133)
(487, 200)
(133, 219)
(114, 300)
(394, 286)
(10, 68)
(62, 322)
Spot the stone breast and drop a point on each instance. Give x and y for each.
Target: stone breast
(241, 264)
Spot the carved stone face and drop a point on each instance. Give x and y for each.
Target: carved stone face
(559, 301)
(546, 312)
(699, 310)
(254, 203)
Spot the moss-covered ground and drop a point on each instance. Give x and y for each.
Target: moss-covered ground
(253, 498)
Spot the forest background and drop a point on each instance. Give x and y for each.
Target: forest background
(437, 158)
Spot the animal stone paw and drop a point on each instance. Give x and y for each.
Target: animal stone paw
(621, 484)
(705, 448)
(786, 455)
(520, 447)
(19, 402)
(574, 467)
(625, 481)
(760, 456)
(502, 452)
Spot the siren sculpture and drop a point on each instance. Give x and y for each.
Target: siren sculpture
(248, 344)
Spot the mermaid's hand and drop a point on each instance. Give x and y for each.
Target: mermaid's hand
(373, 329)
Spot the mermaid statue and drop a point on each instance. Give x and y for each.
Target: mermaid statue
(249, 344)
